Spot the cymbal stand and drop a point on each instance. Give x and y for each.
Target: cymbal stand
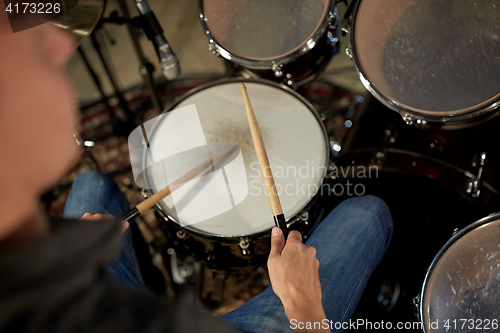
(111, 75)
(146, 68)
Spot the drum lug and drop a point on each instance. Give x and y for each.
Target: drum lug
(212, 47)
(144, 193)
(181, 234)
(304, 217)
(277, 69)
(348, 52)
(244, 246)
(420, 123)
(416, 305)
(411, 120)
(474, 187)
(454, 232)
(408, 119)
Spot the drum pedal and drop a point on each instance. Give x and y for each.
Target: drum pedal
(187, 275)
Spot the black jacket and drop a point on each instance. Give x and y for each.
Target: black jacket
(58, 284)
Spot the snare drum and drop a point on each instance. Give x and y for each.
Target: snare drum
(298, 152)
(461, 291)
(285, 41)
(430, 60)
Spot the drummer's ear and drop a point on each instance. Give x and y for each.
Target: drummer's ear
(58, 45)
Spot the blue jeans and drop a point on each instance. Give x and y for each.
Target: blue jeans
(95, 193)
(350, 242)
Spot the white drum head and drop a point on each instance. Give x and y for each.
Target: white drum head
(463, 283)
(437, 59)
(295, 141)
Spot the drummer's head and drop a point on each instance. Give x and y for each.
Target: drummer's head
(37, 116)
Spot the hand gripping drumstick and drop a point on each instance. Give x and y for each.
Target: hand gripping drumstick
(158, 196)
(267, 174)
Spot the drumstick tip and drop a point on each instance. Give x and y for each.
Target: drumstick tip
(243, 87)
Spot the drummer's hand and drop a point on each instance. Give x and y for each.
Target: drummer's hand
(293, 270)
(89, 216)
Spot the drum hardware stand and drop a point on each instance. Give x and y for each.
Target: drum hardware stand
(302, 217)
(420, 123)
(119, 126)
(289, 81)
(335, 149)
(378, 158)
(389, 293)
(474, 187)
(277, 69)
(97, 81)
(146, 68)
(187, 275)
(411, 120)
(348, 52)
(389, 138)
(86, 150)
(346, 21)
(331, 168)
(333, 26)
(212, 47)
(416, 306)
(111, 75)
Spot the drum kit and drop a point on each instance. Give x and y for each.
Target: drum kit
(434, 62)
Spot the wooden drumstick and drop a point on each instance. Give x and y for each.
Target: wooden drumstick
(158, 196)
(265, 168)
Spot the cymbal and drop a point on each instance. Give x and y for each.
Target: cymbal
(81, 20)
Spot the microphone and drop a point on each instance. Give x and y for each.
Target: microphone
(168, 61)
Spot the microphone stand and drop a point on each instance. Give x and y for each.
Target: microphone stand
(111, 75)
(144, 69)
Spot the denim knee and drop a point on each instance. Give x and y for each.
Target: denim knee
(378, 209)
(90, 179)
(97, 185)
(94, 192)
